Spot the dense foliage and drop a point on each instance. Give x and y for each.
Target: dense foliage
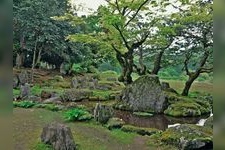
(172, 39)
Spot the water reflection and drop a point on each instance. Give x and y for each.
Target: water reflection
(157, 121)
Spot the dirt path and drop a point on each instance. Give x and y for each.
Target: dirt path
(28, 124)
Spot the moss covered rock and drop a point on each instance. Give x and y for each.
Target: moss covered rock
(139, 130)
(145, 95)
(187, 136)
(209, 122)
(115, 123)
(181, 106)
(73, 95)
(188, 108)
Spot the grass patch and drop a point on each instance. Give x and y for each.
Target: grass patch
(123, 137)
(36, 90)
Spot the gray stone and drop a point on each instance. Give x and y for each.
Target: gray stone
(145, 94)
(15, 82)
(25, 90)
(34, 98)
(165, 85)
(52, 100)
(115, 123)
(102, 113)
(59, 136)
(23, 78)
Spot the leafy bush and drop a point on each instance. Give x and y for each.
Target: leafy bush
(42, 146)
(77, 114)
(24, 104)
(77, 68)
(16, 92)
(36, 90)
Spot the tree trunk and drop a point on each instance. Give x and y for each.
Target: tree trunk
(19, 60)
(38, 61)
(189, 83)
(157, 63)
(33, 63)
(126, 62)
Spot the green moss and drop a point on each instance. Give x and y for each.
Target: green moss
(42, 146)
(63, 85)
(16, 92)
(143, 114)
(101, 95)
(108, 73)
(139, 130)
(51, 107)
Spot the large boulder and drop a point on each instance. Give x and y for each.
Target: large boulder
(185, 107)
(187, 137)
(52, 100)
(73, 95)
(145, 95)
(58, 136)
(102, 113)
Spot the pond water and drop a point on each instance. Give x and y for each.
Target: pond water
(157, 121)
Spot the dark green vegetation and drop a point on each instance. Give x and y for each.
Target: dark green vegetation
(77, 114)
(65, 63)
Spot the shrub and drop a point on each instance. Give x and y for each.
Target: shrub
(42, 146)
(24, 104)
(77, 114)
(16, 92)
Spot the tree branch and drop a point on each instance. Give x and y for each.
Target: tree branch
(121, 34)
(137, 44)
(188, 56)
(135, 14)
